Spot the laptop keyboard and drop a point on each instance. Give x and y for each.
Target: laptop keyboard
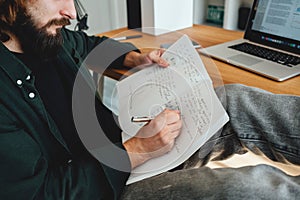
(275, 56)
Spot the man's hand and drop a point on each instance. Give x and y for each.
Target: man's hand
(154, 139)
(134, 59)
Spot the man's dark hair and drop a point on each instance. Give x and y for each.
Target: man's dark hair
(9, 10)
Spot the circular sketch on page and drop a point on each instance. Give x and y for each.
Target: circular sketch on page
(149, 99)
(102, 148)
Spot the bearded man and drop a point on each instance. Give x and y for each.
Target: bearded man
(42, 155)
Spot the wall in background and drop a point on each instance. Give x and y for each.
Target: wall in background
(106, 15)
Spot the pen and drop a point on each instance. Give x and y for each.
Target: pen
(141, 119)
(127, 37)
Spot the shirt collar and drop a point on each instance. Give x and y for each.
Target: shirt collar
(14, 68)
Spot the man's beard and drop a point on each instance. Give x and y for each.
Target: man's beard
(38, 41)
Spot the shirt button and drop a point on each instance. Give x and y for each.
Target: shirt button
(31, 95)
(28, 78)
(19, 82)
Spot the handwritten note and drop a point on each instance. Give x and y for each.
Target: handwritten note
(184, 85)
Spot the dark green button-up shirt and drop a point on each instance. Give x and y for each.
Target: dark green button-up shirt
(35, 162)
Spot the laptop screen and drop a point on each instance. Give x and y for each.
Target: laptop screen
(275, 23)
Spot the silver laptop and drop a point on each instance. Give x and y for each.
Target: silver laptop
(271, 43)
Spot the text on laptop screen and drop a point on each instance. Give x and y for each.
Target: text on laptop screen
(278, 17)
(276, 21)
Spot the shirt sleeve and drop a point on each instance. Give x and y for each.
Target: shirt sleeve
(27, 168)
(27, 173)
(99, 53)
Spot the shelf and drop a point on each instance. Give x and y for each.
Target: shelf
(231, 10)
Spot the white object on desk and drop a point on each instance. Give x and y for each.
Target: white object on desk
(231, 14)
(162, 16)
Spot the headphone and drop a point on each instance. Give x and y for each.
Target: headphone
(82, 16)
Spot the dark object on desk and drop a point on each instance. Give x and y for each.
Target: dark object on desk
(243, 17)
(127, 37)
(215, 14)
(134, 14)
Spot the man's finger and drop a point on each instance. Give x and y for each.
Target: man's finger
(155, 56)
(172, 116)
(175, 126)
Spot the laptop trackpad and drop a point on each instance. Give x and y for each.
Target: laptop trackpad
(244, 59)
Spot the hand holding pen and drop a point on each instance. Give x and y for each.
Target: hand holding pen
(141, 119)
(154, 139)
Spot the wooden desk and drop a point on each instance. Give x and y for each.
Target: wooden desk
(207, 36)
